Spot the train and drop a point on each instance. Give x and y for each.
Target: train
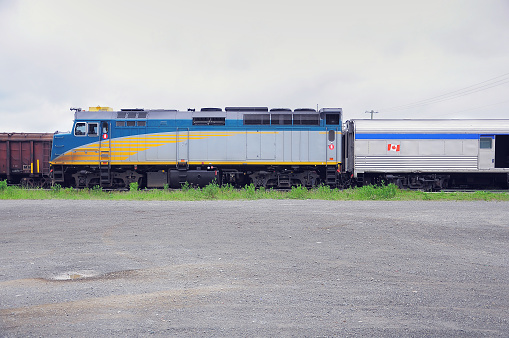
(274, 148)
(271, 148)
(428, 155)
(25, 159)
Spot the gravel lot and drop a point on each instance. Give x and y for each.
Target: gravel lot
(254, 268)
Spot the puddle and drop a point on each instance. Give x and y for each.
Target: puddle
(91, 274)
(75, 275)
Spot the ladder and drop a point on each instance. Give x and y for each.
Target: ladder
(331, 177)
(58, 173)
(284, 181)
(104, 168)
(46, 157)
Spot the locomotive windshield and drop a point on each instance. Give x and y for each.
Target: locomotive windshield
(80, 129)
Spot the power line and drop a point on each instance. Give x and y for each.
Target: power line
(479, 107)
(428, 102)
(484, 85)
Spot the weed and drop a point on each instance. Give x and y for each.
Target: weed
(228, 192)
(133, 186)
(68, 191)
(186, 186)
(250, 191)
(481, 195)
(298, 192)
(371, 192)
(227, 189)
(211, 190)
(323, 192)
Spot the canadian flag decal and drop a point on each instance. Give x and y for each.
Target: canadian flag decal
(392, 147)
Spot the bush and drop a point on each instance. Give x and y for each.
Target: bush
(133, 186)
(211, 190)
(322, 192)
(298, 192)
(69, 190)
(56, 188)
(250, 191)
(383, 192)
(186, 186)
(3, 185)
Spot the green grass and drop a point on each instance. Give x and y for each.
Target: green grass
(227, 192)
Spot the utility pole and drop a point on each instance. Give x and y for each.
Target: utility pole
(371, 112)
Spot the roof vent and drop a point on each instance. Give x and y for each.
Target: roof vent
(248, 109)
(211, 109)
(305, 110)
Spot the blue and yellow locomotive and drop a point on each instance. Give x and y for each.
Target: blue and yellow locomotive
(272, 148)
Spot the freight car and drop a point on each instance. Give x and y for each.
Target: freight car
(428, 154)
(277, 148)
(24, 158)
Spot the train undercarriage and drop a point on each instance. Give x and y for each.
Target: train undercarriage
(437, 182)
(120, 177)
(276, 177)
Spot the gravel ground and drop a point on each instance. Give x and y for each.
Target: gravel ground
(254, 268)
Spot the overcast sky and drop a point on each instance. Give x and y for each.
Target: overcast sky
(392, 56)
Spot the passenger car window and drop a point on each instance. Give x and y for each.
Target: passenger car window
(80, 129)
(485, 142)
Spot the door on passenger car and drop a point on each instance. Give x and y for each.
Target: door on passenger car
(501, 151)
(486, 158)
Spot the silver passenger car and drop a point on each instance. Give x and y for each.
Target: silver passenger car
(430, 154)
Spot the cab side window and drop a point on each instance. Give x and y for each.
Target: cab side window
(92, 129)
(332, 119)
(80, 129)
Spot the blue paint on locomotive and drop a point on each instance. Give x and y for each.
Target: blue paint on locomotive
(68, 141)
